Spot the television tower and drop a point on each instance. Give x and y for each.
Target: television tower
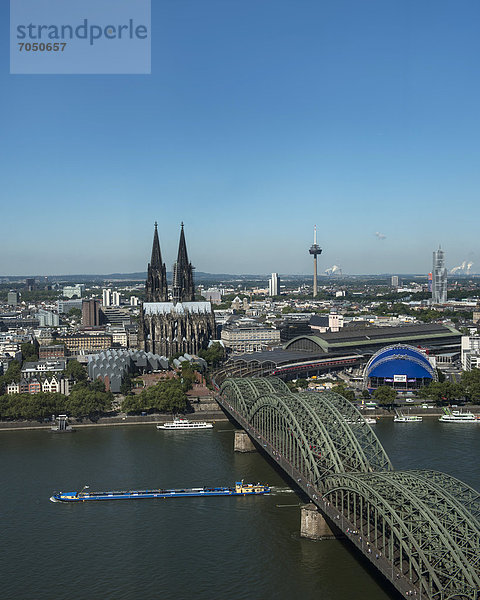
(315, 250)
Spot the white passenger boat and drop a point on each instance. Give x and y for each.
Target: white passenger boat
(371, 420)
(457, 416)
(408, 418)
(183, 424)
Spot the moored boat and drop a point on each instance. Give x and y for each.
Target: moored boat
(400, 417)
(240, 489)
(185, 424)
(457, 416)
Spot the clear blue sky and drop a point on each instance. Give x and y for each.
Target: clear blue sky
(260, 119)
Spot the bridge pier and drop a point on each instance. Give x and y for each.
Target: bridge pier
(313, 525)
(242, 442)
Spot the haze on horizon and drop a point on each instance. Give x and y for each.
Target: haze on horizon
(259, 120)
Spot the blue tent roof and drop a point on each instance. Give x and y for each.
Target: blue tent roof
(400, 360)
(400, 367)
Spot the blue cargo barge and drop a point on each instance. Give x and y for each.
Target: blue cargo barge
(240, 489)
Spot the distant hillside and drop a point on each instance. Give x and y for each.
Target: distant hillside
(139, 276)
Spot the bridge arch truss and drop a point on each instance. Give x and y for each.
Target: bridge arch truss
(423, 527)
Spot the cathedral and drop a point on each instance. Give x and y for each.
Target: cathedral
(172, 323)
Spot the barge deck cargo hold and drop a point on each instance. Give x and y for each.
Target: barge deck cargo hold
(240, 489)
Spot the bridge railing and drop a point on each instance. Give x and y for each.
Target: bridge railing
(415, 549)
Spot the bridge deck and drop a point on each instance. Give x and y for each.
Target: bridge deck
(337, 519)
(419, 529)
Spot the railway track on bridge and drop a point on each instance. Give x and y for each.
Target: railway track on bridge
(419, 529)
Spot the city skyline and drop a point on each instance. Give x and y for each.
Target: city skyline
(361, 121)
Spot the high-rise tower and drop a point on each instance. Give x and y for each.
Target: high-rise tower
(439, 277)
(107, 297)
(315, 250)
(183, 287)
(156, 287)
(274, 285)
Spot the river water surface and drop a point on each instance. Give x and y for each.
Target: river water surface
(203, 548)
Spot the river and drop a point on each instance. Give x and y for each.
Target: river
(203, 548)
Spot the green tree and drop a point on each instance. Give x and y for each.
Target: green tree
(470, 381)
(213, 355)
(434, 391)
(133, 403)
(385, 395)
(13, 373)
(188, 376)
(343, 391)
(97, 385)
(74, 370)
(29, 352)
(443, 393)
(166, 396)
(31, 406)
(75, 312)
(302, 383)
(126, 386)
(85, 401)
(473, 393)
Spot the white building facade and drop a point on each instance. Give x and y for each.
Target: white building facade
(107, 297)
(470, 352)
(69, 291)
(274, 285)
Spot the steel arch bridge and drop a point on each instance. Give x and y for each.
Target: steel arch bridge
(421, 529)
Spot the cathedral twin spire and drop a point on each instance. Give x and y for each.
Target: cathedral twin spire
(183, 289)
(156, 286)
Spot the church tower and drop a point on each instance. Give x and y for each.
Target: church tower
(180, 325)
(183, 286)
(156, 287)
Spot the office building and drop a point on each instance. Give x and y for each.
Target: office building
(12, 298)
(213, 295)
(69, 291)
(245, 338)
(91, 315)
(65, 306)
(274, 285)
(83, 343)
(107, 297)
(470, 352)
(395, 281)
(116, 298)
(48, 352)
(47, 318)
(476, 313)
(114, 315)
(439, 278)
